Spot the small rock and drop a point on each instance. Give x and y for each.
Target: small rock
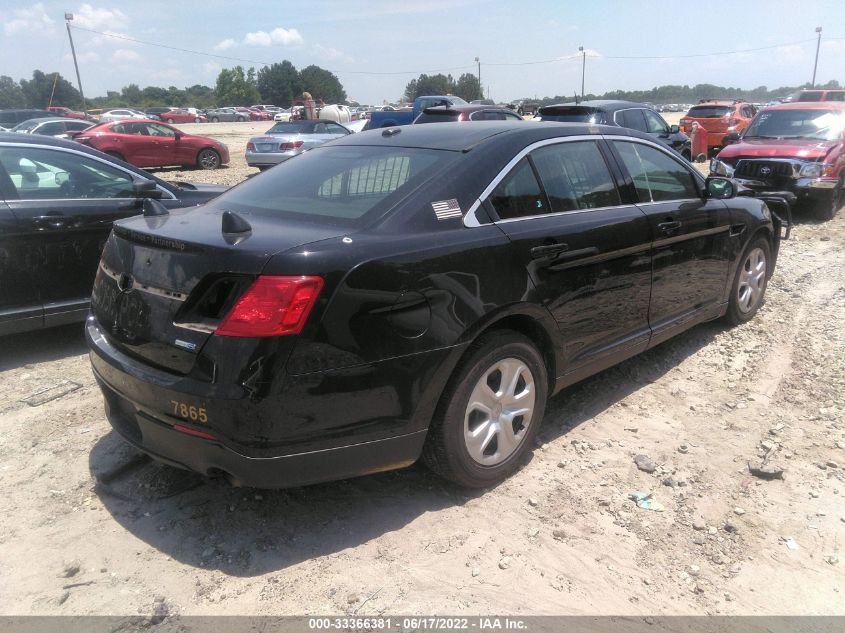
(158, 599)
(70, 570)
(729, 527)
(694, 570)
(739, 511)
(683, 449)
(699, 525)
(645, 464)
(533, 502)
(533, 532)
(671, 482)
(832, 560)
(712, 530)
(831, 464)
(698, 588)
(729, 597)
(699, 539)
(505, 562)
(840, 444)
(560, 534)
(604, 502)
(814, 494)
(63, 598)
(632, 429)
(475, 571)
(561, 463)
(352, 598)
(718, 559)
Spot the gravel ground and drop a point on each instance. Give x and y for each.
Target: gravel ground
(561, 536)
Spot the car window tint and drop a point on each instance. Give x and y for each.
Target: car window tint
(56, 127)
(575, 176)
(654, 123)
(519, 194)
(43, 174)
(632, 119)
(158, 130)
(657, 176)
(334, 128)
(510, 116)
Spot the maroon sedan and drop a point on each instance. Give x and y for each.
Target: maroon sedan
(146, 143)
(182, 116)
(66, 112)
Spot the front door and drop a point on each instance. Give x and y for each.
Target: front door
(587, 253)
(692, 251)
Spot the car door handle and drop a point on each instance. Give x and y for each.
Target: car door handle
(669, 227)
(538, 252)
(51, 221)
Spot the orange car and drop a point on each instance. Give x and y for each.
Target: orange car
(719, 117)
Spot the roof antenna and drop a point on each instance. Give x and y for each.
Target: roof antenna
(233, 223)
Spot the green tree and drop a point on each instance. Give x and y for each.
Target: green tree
(39, 89)
(322, 84)
(132, 95)
(234, 88)
(468, 88)
(11, 95)
(430, 85)
(154, 96)
(199, 96)
(279, 84)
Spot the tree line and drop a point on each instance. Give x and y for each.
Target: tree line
(466, 87)
(279, 84)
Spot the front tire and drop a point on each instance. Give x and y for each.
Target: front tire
(490, 412)
(215, 119)
(826, 209)
(197, 120)
(208, 159)
(748, 290)
(170, 121)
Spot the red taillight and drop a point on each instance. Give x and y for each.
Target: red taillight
(250, 146)
(273, 306)
(290, 146)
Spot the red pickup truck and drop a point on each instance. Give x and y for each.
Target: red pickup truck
(797, 147)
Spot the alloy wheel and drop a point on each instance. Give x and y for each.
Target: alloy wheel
(752, 280)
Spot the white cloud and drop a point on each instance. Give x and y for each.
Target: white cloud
(226, 44)
(99, 18)
(278, 36)
(331, 54)
(123, 55)
(32, 21)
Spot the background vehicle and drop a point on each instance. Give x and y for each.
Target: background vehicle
(66, 112)
(122, 114)
(282, 114)
(797, 147)
(719, 117)
(821, 95)
(392, 118)
(416, 293)
(523, 107)
(146, 143)
(56, 126)
(158, 111)
(182, 116)
(289, 138)
(10, 118)
(58, 200)
(450, 114)
(225, 114)
(634, 116)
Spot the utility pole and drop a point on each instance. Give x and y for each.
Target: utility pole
(816, 63)
(583, 68)
(477, 61)
(68, 18)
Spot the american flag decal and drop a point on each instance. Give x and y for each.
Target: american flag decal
(446, 209)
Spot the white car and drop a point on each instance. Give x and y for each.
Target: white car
(117, 115)
(282, 115)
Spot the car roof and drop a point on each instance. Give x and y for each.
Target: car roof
(50, 119)
(718, 102)
(470, 107)
(808, 105)
(461, 137)
(608, 105)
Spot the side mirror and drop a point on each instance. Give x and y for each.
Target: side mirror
(674, 129)
(720, 188)
(145, 188)
(731, 138)
(179, 135)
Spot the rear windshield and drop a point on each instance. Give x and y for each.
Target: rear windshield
(336, 185)
(437, 116)
(709, 112)
(810, 96)
(825, 125)
(292, 127)
(574, 114)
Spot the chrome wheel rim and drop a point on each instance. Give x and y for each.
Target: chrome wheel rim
(208, 160)
(752, 280)
(499, 411)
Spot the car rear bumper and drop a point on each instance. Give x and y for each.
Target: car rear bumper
(329, 438)
(255, 159)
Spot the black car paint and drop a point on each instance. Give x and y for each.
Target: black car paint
(404, 297)
(50, 248)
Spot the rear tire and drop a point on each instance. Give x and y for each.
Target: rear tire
(208, 159)
(197, 120)
(490, 412)
(215, 120)
(826, 209)
(170, 121)
(748, 290)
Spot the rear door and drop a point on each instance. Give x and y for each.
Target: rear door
(586, 251)
(66, 203)
(691, 252)
(164, 145)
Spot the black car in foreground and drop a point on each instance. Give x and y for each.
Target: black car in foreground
(58, 200)
(407, 292)
(634, 116)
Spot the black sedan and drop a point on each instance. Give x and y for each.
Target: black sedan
(407, 292)
(635, 116)
(58, 200)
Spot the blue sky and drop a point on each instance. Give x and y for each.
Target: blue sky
(399, 39)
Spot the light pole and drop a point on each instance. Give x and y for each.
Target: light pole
(477, 61)
(816, 63)
(583, 68)
(68, 18)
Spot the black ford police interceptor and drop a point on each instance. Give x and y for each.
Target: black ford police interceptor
(407, 292)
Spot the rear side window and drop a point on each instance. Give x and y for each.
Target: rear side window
(657, 176)
(336, 185)
(519, 194)
(575, 176)
(655, 123)
(709, 112)
(437, 116)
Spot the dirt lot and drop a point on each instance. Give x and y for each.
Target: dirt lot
(561, 536)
